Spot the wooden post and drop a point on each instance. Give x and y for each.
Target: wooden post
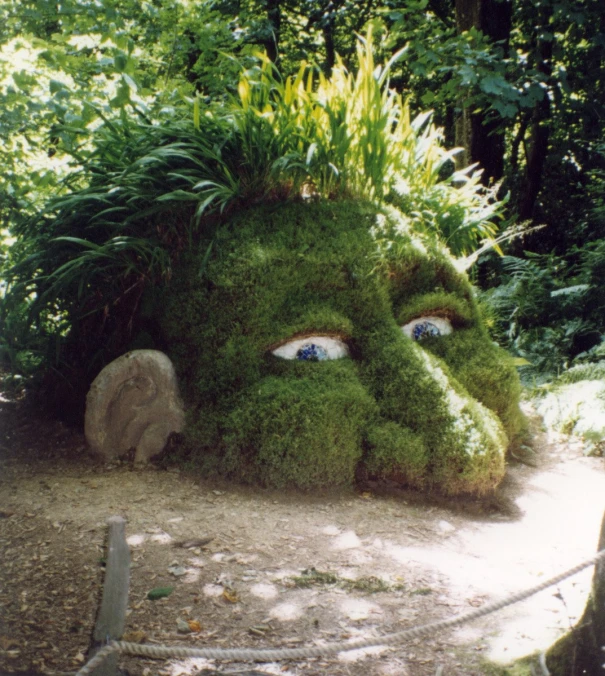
(112, 612)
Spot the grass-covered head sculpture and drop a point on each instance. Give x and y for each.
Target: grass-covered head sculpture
(324, 341)
(295, 241)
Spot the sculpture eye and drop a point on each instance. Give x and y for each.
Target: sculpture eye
(313, 348)
(427, 327)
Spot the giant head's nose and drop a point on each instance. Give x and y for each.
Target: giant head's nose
(430, 425)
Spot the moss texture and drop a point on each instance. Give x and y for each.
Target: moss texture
(437, 414)
(523, 667)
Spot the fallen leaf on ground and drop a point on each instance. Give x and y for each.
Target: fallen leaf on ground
(134, 637)
(7, 643)
(159, 593)
(193, 543)
(230, 595)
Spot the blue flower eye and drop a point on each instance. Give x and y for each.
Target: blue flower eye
(425, 330)
(311, 352)
(313, 348)
(427, 327)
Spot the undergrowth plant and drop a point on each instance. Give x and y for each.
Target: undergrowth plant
(548, 310)
(148, 190)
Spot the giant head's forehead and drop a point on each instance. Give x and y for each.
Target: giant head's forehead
(414, 264)
(307, 258)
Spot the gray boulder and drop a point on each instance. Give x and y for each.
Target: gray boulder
(133, 403)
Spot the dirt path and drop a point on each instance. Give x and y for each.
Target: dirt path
(375, 563)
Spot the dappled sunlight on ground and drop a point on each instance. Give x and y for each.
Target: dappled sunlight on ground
(358, 609)
(212, 590)
(563, 509)
(138, 539)
(188, 667)
(466, 564)
(161, 538)
(375, 563)
(362, 653)
(191, 576)
(484, 561)
(286, 612)
(135, 540)
(194, 665)
(348, 540)
(264, 591)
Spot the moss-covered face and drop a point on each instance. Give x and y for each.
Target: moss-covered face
(320, 342)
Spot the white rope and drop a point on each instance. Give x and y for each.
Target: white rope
(274, 654)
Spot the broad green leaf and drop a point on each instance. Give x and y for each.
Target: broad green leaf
(120, 60)
(56, 86)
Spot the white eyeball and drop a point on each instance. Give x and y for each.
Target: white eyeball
(427, 327)
(313, 348)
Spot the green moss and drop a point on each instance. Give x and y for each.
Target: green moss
(397, 453)
(299, 431)
(487, 372)
(423, 414)
(458, 310)
(560, 656)
(523, 667)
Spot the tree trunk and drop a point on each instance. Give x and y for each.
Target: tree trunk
(274, 18)
(536, 157)
(540, 131)
(468, 15)
(328, 24)
(580, 652)
(328, 33)
(482, 138)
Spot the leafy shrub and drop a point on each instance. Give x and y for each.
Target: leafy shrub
(549, 309)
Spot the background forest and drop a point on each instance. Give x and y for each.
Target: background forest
(518, 87)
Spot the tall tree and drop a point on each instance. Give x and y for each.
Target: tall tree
(480, 133)
(274, 21)
(542, 51)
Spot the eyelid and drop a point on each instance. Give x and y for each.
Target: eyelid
(332, 346)
(442, 324)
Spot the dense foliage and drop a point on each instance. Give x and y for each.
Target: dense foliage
(548, 308)
(86, 88)
(147, 191)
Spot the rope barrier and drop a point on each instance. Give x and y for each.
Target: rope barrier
(275, 654)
